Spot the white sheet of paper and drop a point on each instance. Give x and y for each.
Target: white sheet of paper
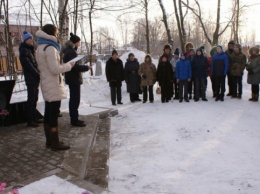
(79, 57)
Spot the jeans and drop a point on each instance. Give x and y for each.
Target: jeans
(183, 85)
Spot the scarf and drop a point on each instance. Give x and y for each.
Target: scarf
(50, 42)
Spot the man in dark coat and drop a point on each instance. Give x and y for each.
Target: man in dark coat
(115, 76)
(229, 52)
(219, 70)
(200, 67)
(32, 77)
(74, 79)
(164, 76)
(132, 78)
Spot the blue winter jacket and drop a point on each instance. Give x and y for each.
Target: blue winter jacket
(183, 70)
(199, 66)
(219, 64)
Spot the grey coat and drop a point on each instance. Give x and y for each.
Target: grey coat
(253, 76)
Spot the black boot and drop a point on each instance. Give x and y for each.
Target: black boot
(47, 135)
(55, 143)
(256, 97)
(252, 97)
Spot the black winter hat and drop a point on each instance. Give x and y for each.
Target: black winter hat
(177, 52)
(130, 54)
(74, 38)
(231, 42)
(114, 52)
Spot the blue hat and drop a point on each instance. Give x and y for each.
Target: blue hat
(26, 36)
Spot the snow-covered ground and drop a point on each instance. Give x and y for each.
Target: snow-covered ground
(177, 148)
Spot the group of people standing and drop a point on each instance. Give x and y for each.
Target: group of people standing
(181, 75)
(44, 67)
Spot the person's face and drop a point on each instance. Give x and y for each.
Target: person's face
(192, 52)
(230, 47)
(176, 56)
(77, 44)
(164, 59)
(147, 59)
(132, 57)
(236, 49)
(29, 41)
(219, 50)
(199, 53)
(167, 51)
(183, 57)
(114, 56)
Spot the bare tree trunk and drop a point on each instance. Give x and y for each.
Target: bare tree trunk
(179, 25)
(236, 27)
(184, 36)
(92, 4)
(10, 57)
(63, 21)
(76, 16)
(147, 27)
(216, 33)
(41, 14)
(165, 21)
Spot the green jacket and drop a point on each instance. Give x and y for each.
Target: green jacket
(237, 63)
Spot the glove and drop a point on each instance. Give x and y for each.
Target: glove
(144, 76)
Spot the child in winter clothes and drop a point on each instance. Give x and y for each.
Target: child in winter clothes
(164, 76)
(183, 76)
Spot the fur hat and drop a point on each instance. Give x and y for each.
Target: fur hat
(26, 36)
(231, 42)
(167, 46)
(148, 56)
(177, 52)
(255, 48)
(74, 38)
(114, 52)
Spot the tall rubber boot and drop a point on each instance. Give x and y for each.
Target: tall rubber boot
(55, 143)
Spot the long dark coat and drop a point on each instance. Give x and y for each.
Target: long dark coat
(29, 64)
(164, 73)
(131, 76)
(114, 72)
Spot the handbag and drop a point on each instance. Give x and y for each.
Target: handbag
(158, 89)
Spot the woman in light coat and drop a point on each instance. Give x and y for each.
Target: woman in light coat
(52, 86)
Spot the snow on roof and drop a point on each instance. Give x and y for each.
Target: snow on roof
(22, 20)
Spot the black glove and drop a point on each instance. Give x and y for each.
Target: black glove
(144, 76)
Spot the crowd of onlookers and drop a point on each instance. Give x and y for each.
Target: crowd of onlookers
(181, 75)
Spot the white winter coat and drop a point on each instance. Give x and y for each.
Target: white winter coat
(52, 84)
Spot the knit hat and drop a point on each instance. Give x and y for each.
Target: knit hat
(220, 47)
(114, 52)
(167, 46)
(183, 54)
(177, 52)
(130, 54)
(26, 36)
(199, 49)
(231, 42)
(74, 38)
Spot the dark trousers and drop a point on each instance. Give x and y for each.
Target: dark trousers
(220, 86)
(237, 86)
(150, 88)
(166, 92)
(116, 94)
(32, 98)
(190, 86)
(183, 85)
(213, 85)
(176, 88)
(255, 88)
(133, 96)
(230, 84)
(200, 87)
(51, 113)
(74, 102)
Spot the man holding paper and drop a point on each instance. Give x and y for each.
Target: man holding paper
(74, 78)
